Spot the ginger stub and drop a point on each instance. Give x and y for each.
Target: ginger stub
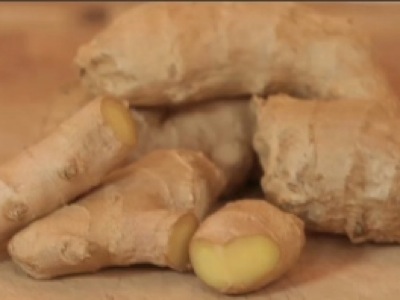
(246, 245)
(144, 213)
(71, 160)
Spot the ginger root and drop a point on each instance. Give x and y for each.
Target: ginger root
(68, 162)
(246, 245)
(144, 213)
(174, 53)
(335, 164)
(222, 130)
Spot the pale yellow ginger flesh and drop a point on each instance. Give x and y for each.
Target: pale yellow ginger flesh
(144, 213)
(182, 232)
(71, 160)
(118, 117)
(246, 245)
(241, 262)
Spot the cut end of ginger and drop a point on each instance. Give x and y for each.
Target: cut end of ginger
(239, 265)
(119, 118)
(178, 252)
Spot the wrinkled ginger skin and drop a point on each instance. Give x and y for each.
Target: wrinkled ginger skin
(131, 219)
(240, 220)
(222, 130)
(74, 158)
(174, 53)
(335, 164)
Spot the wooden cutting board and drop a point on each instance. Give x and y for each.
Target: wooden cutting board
(37, 45)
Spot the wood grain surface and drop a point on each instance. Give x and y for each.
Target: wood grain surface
(37, 44)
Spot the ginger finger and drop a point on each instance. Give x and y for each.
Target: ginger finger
(68, 162)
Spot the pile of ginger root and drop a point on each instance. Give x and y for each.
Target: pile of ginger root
(181, 103)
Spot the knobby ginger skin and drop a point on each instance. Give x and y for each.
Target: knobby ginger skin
(174, 53)
(74, 158)
(335, 164)
(246, 245)
(144, 213)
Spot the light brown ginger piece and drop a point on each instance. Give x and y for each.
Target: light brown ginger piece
(144, 213)
(246, 245)
(173, 53)
(335, 164)
(71, 160)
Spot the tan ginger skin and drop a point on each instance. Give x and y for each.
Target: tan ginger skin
(145, 213)
(335, 164)
(175, 53)
(74, 158)
(246, 245)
